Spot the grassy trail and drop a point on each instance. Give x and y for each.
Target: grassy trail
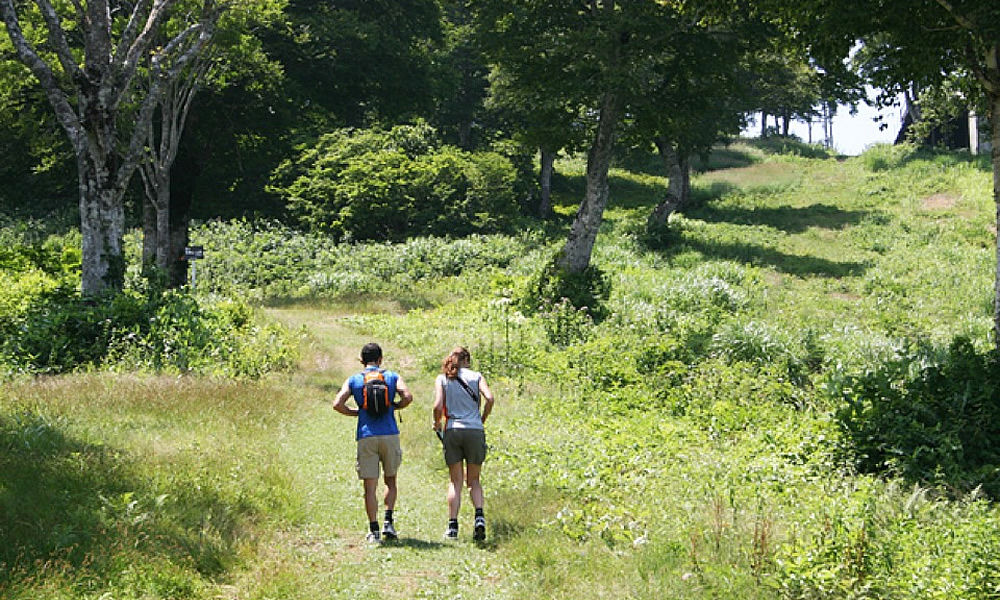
(324, 554)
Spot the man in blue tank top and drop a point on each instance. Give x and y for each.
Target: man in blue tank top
(377, 437)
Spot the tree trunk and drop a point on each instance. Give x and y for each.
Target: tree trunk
(995, 153)
(102, 211)
(678, 186)
(148, 233)
(545, 182)
(575, 256)
(102, 223)
(156, 229)
(763, 124)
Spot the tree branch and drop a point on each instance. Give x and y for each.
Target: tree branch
(41, 70)
(58, 39)
(130, 32)
(966, 21)
(143, 41)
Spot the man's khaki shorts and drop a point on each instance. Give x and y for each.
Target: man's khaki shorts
(375, 450)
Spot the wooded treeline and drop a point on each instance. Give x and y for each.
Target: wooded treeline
(432, 116)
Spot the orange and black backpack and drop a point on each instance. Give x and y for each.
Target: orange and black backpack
(375, 394)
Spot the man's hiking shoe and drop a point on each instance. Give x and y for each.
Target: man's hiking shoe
(451, 533)
(479, 533)
(388, 531)
(373, 537)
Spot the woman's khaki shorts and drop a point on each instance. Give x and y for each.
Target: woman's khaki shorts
(378, 449)
(464, 444)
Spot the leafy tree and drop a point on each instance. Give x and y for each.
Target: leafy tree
(280, 81)
(36, 172)
(166, 213)
(86, 58)
(459, 80)
(352, 62)
(538, 119)
(787, 86)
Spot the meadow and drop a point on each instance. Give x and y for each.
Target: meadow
(789, 392)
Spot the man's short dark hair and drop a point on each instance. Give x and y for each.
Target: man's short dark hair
(371, 353)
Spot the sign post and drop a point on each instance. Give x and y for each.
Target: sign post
(194, 254)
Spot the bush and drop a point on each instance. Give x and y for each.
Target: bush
(390, 185)
(58, 331)
(552, 285)
(928, 419)
(266, 260)
(885, 157)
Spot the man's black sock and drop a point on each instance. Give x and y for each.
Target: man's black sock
(479, 512)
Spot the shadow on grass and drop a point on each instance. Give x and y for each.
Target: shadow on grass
(413, 544)
(568, 192)
(724, 157)
(801, 266)
(789, 219)
(670, 243)
(648, 162)
(80, 509)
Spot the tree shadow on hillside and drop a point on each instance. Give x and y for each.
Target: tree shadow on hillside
(568, 191)
(721, 157)
(671, 243)
(69, 505)
(801, 266)
(789, 219)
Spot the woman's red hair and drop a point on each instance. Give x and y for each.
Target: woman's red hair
(452, 362)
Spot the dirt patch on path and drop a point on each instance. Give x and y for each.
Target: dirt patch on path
(942, 201)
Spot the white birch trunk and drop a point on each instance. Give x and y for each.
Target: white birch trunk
(678, 183)
(575, 255)
(995, 154)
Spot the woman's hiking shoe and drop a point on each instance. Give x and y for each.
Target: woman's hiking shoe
(388, 531)
(479, 531)
(451, 533)
(373, 537)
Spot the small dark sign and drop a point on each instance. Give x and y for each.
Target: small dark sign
(194, 252)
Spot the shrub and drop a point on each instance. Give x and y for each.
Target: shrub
(59, 331)
(552, 284)
(389, 185)
(266, 260)
(884, 157)
(927, 418)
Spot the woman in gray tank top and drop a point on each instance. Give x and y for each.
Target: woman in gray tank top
(462, 403)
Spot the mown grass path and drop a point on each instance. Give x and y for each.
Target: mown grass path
(324, 554)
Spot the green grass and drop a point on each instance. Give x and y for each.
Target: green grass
(688, 446)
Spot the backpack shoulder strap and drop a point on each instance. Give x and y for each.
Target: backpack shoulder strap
(466, 387)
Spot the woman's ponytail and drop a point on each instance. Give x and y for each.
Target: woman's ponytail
(451, 363)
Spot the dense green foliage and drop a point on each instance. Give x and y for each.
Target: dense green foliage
(46, 326)
(267, 261)
(928, 418)
(390, 185)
